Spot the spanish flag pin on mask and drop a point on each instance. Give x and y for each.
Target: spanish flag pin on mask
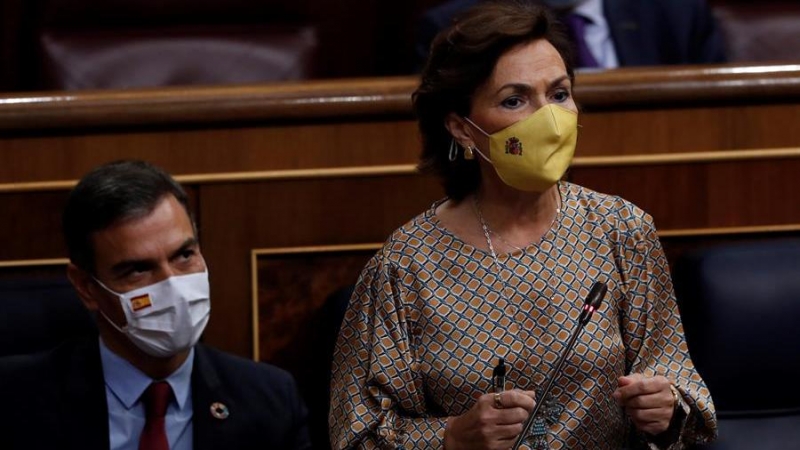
(534, 153)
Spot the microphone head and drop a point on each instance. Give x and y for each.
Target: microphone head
(596, 295)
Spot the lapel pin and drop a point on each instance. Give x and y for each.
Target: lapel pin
(219, 411)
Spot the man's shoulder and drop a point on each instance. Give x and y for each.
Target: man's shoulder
(24, 368)
(260, 389)
(34, 367)
(230, 360)
(265, 405)
(243, 371)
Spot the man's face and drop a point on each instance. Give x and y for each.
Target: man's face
(143, 251)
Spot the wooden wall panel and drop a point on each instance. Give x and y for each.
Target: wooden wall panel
(212, 151)
(239, 218)
(30, 227)
(710, 152)
(30, 224)
(705, 195)
(48, 271)
(293, 286)
(689, 129)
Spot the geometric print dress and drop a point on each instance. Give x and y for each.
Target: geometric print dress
(431, 316)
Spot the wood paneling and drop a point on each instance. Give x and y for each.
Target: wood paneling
(292, 289)
(209, 151)
(332, 163)
(689, 129)
(632, 88)
(30, 227)
(237, 219)
(705, 195)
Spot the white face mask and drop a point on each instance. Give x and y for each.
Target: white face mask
(167, 317)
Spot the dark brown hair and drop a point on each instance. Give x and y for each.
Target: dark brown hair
(461, 59)
(111, 193)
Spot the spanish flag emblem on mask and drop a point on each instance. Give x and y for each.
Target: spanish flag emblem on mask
(141, 302)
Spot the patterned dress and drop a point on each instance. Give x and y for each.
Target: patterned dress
(431, 315)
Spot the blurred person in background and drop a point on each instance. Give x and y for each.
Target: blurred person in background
(614, 33)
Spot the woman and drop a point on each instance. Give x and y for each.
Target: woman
(499, 269)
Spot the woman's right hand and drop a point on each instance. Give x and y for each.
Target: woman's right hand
(488, 425)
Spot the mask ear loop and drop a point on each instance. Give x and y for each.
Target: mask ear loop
(108, 319)
(119, 329)
(475, 148)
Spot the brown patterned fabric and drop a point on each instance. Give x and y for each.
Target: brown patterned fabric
(429, 319)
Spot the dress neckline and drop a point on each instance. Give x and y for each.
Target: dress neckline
(531, 249)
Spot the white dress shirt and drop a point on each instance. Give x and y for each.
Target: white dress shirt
(125, 385)
(598, 34)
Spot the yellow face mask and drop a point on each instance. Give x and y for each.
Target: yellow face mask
(534, 153)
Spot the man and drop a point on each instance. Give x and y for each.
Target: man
(145, 383)
(613, 33)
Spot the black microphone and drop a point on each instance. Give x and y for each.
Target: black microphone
(590, 305)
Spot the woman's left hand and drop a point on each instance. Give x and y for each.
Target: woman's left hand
(647, 400)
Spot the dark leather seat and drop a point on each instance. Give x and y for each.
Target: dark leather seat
(87, 44)
(740, 306)
(39, 314)
(176, 57)
(760, 31)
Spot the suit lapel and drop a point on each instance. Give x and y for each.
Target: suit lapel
(84, 412)
(210, 431)
(627, 23)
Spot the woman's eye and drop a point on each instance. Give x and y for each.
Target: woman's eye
(561, 96)
(512, 102)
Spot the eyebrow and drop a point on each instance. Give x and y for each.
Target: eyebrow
(122, 266)
(187, 244)
(520, 87)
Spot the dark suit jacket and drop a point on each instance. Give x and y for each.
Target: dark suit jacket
(56, 400)
(645, 32)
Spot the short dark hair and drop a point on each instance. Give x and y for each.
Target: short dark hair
(109, 194)
(461, 59)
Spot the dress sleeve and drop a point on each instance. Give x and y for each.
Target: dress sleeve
(653, 334)
(377, 398)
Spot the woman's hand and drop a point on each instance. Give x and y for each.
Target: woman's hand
(648, 401)
(490, 424)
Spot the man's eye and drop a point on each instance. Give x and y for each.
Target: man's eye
(134, 272)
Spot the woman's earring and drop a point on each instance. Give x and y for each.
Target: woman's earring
(468, 155)
(453, 151)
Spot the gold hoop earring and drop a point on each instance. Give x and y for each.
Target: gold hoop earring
(453, 153)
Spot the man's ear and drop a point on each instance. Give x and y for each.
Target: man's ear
(459, 129)
(84, 285)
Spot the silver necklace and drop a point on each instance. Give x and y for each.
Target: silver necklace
(487, 232)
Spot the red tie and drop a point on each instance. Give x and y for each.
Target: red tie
(156, 399)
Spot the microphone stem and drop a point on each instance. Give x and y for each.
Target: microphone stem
(550, 380)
